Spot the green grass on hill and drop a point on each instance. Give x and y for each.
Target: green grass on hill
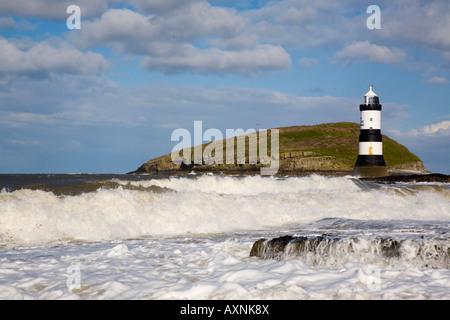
(339, 140)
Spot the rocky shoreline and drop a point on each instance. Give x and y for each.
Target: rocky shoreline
(394, 176)
(430, 177)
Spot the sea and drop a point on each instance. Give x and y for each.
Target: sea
(189, 238)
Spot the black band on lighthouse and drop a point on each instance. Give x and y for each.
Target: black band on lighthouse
(370, 160)
(364, 107)
(370, 135)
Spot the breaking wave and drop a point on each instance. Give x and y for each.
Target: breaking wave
(122, 208)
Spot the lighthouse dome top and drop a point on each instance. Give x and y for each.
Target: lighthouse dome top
(371, 97)
(370, 93)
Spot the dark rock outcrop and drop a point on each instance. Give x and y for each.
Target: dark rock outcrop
(334, 250)
(432, 177)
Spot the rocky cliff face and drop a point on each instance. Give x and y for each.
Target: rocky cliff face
(327, 148)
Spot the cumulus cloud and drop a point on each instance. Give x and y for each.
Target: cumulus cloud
(417, 22)
(301, 24)
(430, 142)
(365, 51)
(166, 41)
(436, 130)
(159, 30)
(28, 57)
(125, 27)
(247, 62)
(440, 128)
(292, 23)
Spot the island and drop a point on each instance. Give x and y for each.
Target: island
(329, 149)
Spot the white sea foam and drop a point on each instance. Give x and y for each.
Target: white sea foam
(191, 237)
(250, 185)
(204, 205)
(202, 269)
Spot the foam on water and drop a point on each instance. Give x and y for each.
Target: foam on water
(180, 268)
(191, 238)
(205, 205)
(250, 185)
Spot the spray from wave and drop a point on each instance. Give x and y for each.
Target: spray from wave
(121, 208)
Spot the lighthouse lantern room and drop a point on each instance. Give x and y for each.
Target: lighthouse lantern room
(370, 162)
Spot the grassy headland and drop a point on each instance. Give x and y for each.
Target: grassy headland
(330, 148)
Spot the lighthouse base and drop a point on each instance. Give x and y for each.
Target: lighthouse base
(370, 166)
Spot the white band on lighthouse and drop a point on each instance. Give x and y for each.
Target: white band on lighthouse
(370, 119)
(370, 148)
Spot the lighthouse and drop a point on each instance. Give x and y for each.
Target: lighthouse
(370, 162)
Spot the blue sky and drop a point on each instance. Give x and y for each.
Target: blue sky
(106, 98)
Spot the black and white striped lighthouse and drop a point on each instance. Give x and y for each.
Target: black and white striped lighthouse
(370, 162)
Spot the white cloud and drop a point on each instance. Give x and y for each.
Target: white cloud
(166, 41)
(147, 33)
(430, 142)
(288, 23)
(441, 128)
(123, 28)
(247, 62)
(303, 24)
(365, 51)
(417, 22)
(437, 80)
(160, 29)
(43, 57)
(435, 130)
